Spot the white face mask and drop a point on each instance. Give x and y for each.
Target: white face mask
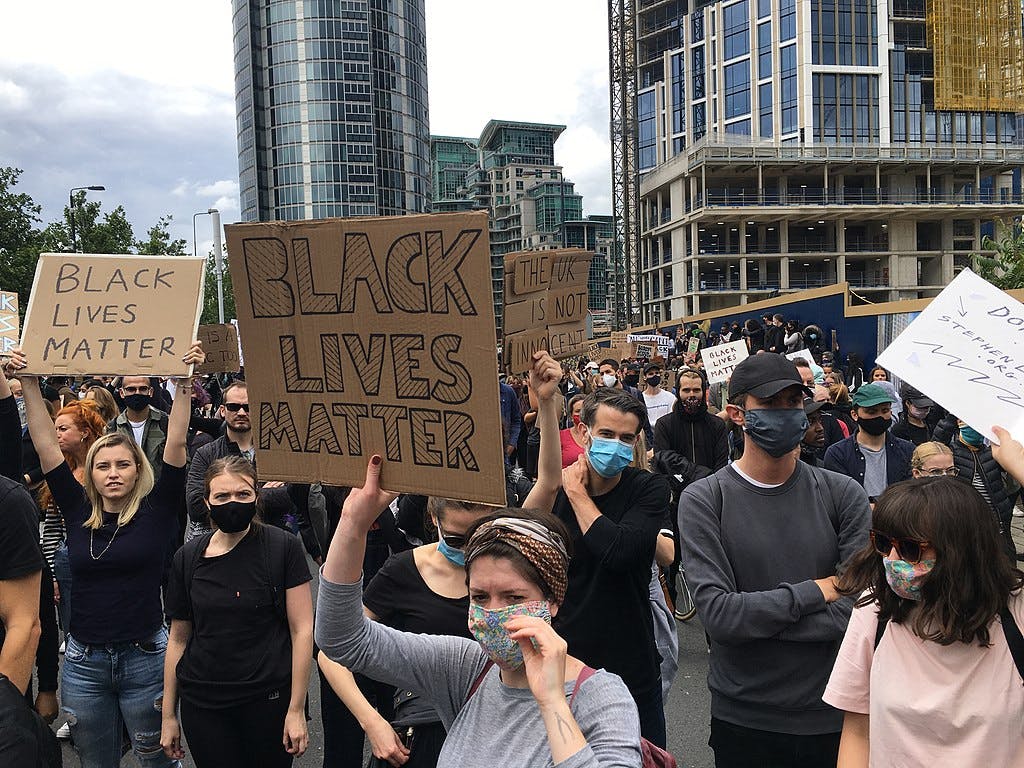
(609, 379)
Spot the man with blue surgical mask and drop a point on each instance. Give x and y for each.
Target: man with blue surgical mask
(614, 512)
(761, 540)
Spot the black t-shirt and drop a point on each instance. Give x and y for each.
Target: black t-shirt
(907, 431)
(20, 555)
(606, 617)
(400, 598)
(240, 646)
(115, 590)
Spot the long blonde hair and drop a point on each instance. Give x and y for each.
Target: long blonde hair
(144, 481)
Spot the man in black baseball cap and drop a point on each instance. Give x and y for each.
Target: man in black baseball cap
(760, 541)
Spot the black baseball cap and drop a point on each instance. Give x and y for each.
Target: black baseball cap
(915, 397)
(652, 367)
(764, 376)
(813, 406)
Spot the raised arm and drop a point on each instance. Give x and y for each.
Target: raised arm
(40, 426)
(175, 453)
(544, 378)
(10, 433)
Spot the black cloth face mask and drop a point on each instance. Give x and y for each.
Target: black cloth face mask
(233, 516)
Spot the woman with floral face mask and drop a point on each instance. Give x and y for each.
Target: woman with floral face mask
(925, 674)
(512, 697)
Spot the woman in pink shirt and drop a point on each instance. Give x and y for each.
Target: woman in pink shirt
(572, 437)
(925, 660)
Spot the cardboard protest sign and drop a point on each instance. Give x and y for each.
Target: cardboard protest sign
(545, 304)
(106, 314)
(8, 322)
(804, 353)
(220, 343)
(663, 343)
(646, 351)
(594, 352)
(720, 360)
(367, 336)
(966, 352)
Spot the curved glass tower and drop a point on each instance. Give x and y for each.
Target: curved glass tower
(331, 103)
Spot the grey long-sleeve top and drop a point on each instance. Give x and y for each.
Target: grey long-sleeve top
(498, 725)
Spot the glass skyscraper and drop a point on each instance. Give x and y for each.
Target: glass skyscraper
(792, 144)
(331, 102)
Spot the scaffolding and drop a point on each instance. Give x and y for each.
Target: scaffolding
(978, 54)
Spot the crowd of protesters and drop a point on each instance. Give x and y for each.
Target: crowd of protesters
(843, 540)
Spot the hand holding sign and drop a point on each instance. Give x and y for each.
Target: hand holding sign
(1009, 453)
(966, 352)
(545, 375)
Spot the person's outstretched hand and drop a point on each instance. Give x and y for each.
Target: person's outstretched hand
(1009, 453)
(363, 505)
(545, 375)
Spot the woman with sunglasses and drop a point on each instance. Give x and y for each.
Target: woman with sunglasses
(512, 698)
(932, 459)
(421, 590)
(925, 674)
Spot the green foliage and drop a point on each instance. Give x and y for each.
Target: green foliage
(20, 240)
(1005, 269)
(209, 314)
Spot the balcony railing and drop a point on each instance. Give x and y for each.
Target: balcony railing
(717, 150)
(820, 196)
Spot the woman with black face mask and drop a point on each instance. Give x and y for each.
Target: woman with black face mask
(241, 641)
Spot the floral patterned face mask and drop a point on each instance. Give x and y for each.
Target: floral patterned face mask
(488, 628)
(905, 578)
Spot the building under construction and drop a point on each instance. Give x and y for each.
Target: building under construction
(767, 146)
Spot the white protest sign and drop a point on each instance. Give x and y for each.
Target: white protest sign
(966, 352)
(720, 360)
(8, 321)
(804, 353)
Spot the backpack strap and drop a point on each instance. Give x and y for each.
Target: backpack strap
(191, 562)
(479, 679)
(1014, 639)
(585, 674)
(274, 568)
(880, 630)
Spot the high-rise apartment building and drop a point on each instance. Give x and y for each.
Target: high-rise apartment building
(451, 157)
(331, 101)
(790, 144)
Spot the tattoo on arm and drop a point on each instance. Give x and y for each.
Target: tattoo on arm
(564, 728)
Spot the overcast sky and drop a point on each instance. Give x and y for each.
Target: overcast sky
(138, 96)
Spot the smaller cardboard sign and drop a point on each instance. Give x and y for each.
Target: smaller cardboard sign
(8, 322)
(721, 359)
(966, 352)
(618, 338)
(220, 343)
(646, 351)
(112, 314)
(594, 352)
(693, 347)
(545, 305)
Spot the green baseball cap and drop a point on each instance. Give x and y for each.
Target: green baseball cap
(868, 395)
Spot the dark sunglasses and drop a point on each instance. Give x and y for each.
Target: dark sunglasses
(908, 549)
(454, 540)
(236, 407)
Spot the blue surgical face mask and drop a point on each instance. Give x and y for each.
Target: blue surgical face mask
(777, 431)
(608, 457)
(454, 556)
(972, 436)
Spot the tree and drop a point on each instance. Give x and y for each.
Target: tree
(1005, 269)
(111, 233)
(209, 314)
(20, 239)
(159, 242)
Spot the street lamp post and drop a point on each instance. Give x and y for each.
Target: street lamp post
(71, 210)
(218, 257)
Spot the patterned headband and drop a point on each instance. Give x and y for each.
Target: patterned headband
(544, 549)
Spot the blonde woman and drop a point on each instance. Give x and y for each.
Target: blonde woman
(932, 459)
(117, 536)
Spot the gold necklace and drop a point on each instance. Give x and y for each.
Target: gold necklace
(101, 554)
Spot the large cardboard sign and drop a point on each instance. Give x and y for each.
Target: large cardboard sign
(107, 314)
(8, 322)
(545, 305)
(367, 336)
(721, 359)
(220, 343)
(966, 352)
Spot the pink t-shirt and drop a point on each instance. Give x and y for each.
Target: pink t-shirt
(570, 450)
(931, 705)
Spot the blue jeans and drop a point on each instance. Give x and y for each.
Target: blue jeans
(62, 573)
(106, 688)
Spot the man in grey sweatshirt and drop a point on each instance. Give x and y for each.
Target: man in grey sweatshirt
(761, 541)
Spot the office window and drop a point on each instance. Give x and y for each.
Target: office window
(764, 50)
(698, 72)
(787, 19)
(736, 19)
(787, 68)
(737, 89)
(678, 93)
(648, 152)
(764, 100)
(699, 121)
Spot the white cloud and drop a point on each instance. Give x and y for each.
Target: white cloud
(222, 187)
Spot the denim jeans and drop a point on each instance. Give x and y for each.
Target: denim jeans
(106, 688)
(62, 573)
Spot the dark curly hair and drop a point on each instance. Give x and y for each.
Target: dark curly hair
(972, 578)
